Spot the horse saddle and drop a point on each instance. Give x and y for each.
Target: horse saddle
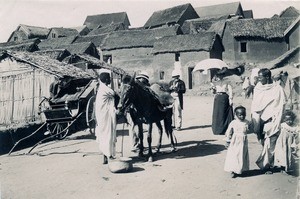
(163, 96)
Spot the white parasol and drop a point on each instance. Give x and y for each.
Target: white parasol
(207, 64)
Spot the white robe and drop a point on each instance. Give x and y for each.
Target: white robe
(106, 120)
(268, 104)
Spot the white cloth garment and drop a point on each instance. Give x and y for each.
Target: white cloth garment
(106, 120)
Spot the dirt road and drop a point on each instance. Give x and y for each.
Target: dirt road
(72, 168)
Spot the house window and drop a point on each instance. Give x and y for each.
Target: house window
(161, 75)
(15, 38)
(243, 47)
(177, 57)
(107, 59)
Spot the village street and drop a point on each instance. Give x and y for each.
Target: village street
(72, 168)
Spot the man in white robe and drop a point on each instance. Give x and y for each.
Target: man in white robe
(106, 117)
(266, 111)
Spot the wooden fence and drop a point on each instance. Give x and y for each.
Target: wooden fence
(20, 95)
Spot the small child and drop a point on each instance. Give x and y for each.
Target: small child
(237, 159)
(286, 144)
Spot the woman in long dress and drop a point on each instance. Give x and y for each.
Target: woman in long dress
(222, 108)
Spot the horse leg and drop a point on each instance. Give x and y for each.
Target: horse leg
(149, 139)
(141, 139)
(169, 131)
(160, 131)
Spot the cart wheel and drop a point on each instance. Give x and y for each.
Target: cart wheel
(90, 115)
(56, 128)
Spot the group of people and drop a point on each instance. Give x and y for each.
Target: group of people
(106, 111)
(271, 121)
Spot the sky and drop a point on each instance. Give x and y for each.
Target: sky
(72, 13)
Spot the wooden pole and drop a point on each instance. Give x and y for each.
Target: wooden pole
(12, 99)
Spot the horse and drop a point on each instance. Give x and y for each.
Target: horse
(149, 110)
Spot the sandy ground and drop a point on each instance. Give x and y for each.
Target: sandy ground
(73, 168)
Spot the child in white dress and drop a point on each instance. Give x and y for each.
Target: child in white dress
(287, 142)
(237, 159)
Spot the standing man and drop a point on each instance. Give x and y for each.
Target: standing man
(266, 112)
(177, 88)
(106, 117)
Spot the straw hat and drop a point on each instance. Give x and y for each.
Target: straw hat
(175, 73)
(143, 74)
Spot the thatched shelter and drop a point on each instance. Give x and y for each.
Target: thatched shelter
(26, 77)
(24, 32)
(171, 16)
(101, 20)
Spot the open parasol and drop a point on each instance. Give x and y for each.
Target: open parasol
(207, 64)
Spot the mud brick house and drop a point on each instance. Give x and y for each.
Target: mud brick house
(171, 16)
(24, 78)
(103, 20)
(25, 32)
(216, 11)
(259, 40)
(185, 51)
(131, 50)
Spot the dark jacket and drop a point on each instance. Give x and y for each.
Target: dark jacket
(178, 86)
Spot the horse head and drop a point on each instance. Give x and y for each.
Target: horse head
(126, 92)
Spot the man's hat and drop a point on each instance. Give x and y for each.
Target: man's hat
(175, 73)
(143, 74)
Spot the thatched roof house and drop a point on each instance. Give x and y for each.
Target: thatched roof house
(171, 16)
(98, 40)
(137, 38)
(82, 30)
(194, 26)
(30, 45)
(56, 43)
(226, 9)
(107, 29)
(61, 32)
(58, 54)
(45, 63)
(24, 32)
(24, 79)
(258, 40)
(89, 62)
(187, 43)
(290, 12)
(266, 29)
(101, 20)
